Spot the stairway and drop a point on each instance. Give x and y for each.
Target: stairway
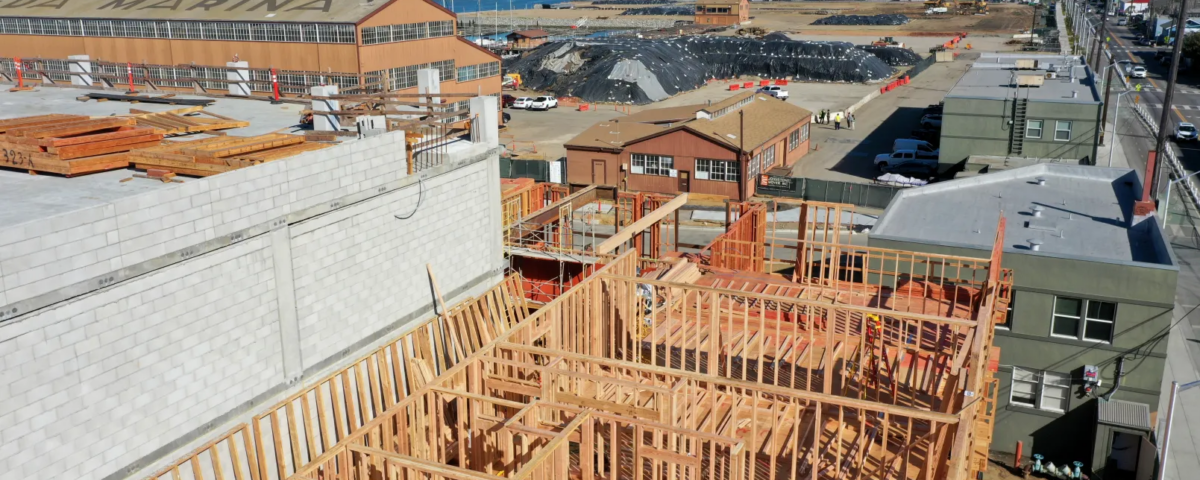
(1016, 140)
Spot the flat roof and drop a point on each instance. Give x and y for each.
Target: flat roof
(45, 195)
(994, 77)
(300, 11)
(1085, 214)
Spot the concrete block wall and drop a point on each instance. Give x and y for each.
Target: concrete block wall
(137, 328)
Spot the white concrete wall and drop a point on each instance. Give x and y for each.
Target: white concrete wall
(134, 328)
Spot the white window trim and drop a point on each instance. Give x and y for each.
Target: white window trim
(1041, 130)
(1054, 317)
(1071, 126)
(1042, 392)
(1011, 390)
(1083, 319)
(658, 164)
(1039, 392)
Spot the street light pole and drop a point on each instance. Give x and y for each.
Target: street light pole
(1116, 119)
(1164, 120)
(1175, 389)
(1108, 88)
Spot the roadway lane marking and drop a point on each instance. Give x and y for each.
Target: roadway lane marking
(1148, 79)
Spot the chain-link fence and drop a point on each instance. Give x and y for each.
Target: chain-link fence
(858, 194)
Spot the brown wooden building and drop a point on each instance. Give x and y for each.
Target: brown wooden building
(692, 148)
(527, 39)
(722, 12)
(344, 39)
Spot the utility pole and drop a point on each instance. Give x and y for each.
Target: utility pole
(1164, 120)
(1101, 38)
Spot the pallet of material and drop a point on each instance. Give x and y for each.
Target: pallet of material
(71, 144)
(186, 120)
(211, 156)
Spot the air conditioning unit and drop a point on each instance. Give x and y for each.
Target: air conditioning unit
(1027, 64)
(1030, 80)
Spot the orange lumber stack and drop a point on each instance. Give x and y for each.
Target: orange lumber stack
(71, 144)
(211, 156)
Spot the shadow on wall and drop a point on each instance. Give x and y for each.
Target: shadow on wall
(1067, 438)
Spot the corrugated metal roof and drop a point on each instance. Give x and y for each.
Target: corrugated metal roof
(307, 11)
(1124, 414)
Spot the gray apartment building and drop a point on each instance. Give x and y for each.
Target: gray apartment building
(1038, 107)
(1092, 288)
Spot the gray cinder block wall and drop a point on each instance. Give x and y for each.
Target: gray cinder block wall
(132, 329)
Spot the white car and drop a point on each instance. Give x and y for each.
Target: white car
(1138, 72)
(775, 91)
(1185, 131)
(522, 102)
(543, 103)
(903, 157)
(931, 120)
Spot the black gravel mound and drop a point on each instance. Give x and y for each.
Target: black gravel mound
(894, 56)
(884, 19)
(640, 71)
(662, 10)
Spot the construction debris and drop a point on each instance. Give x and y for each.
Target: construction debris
(71, 144)
(883, 19)
(662, 10)
(640, 71)
(164, 99)
(211, 156)
(894, 56)
(186, 120)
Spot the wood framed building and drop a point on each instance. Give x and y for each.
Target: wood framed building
(339, 42)
(722, 12)
(693, 148)
(527, 39)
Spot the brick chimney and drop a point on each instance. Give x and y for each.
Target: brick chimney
(1144, 208)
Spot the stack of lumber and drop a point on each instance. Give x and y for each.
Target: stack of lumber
(174, 122)
(211, 156)
(71, 144)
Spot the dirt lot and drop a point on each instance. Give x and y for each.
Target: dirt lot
(798, 18)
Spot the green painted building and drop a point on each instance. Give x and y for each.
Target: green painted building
(1093, 286)
(1025, 106)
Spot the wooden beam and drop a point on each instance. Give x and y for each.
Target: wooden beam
(648, 220)
(439, 469)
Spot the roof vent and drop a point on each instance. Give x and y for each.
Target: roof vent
(1035, 244)
(1037, 211)
(1041, 181)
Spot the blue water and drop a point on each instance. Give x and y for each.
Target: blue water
(464, 6)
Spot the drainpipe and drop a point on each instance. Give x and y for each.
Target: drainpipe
(1116, 381)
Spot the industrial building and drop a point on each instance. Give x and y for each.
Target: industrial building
(722, 12)
(360, 46)
(1083, 346)
(1022, 106)
(718, 149)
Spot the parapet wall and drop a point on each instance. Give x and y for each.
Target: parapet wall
(136, 327)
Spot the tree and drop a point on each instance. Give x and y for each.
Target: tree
(1191, 46)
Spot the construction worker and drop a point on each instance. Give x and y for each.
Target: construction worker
(850, 120)
(837, 121)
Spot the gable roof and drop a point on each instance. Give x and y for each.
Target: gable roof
(765, 118)
(262, 11)
(719, 2)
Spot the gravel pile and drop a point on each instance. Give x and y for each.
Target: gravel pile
(884, 19)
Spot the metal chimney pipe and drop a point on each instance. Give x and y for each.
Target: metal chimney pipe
(1035, 244)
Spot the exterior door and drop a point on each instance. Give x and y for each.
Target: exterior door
(685, 180)
(598, 177)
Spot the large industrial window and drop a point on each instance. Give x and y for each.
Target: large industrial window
(653, 164)
(803, 133)
(406, 31)
(794, 139)
(768, 156)
(475, 72)
(721, 170)
(1042, 390)
(1097, 326)
(1033, 129)
(1062, 131)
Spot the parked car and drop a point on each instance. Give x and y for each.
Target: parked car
(1138, 72)
(1121, 22)
(1145, 41)
(1185, 131)
(924, 149)
(775, 91)
(931, 120)
(507, 117)
(887, 160)
(507, 101)
(543, 103)
(922, 170)
(522, 102)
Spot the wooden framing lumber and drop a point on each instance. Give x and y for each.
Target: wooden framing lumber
(642, 224)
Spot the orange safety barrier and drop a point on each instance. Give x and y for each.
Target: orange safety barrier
(763, 83)
(748, 85)
(583, 107)
(781, 82)
(734, 87)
